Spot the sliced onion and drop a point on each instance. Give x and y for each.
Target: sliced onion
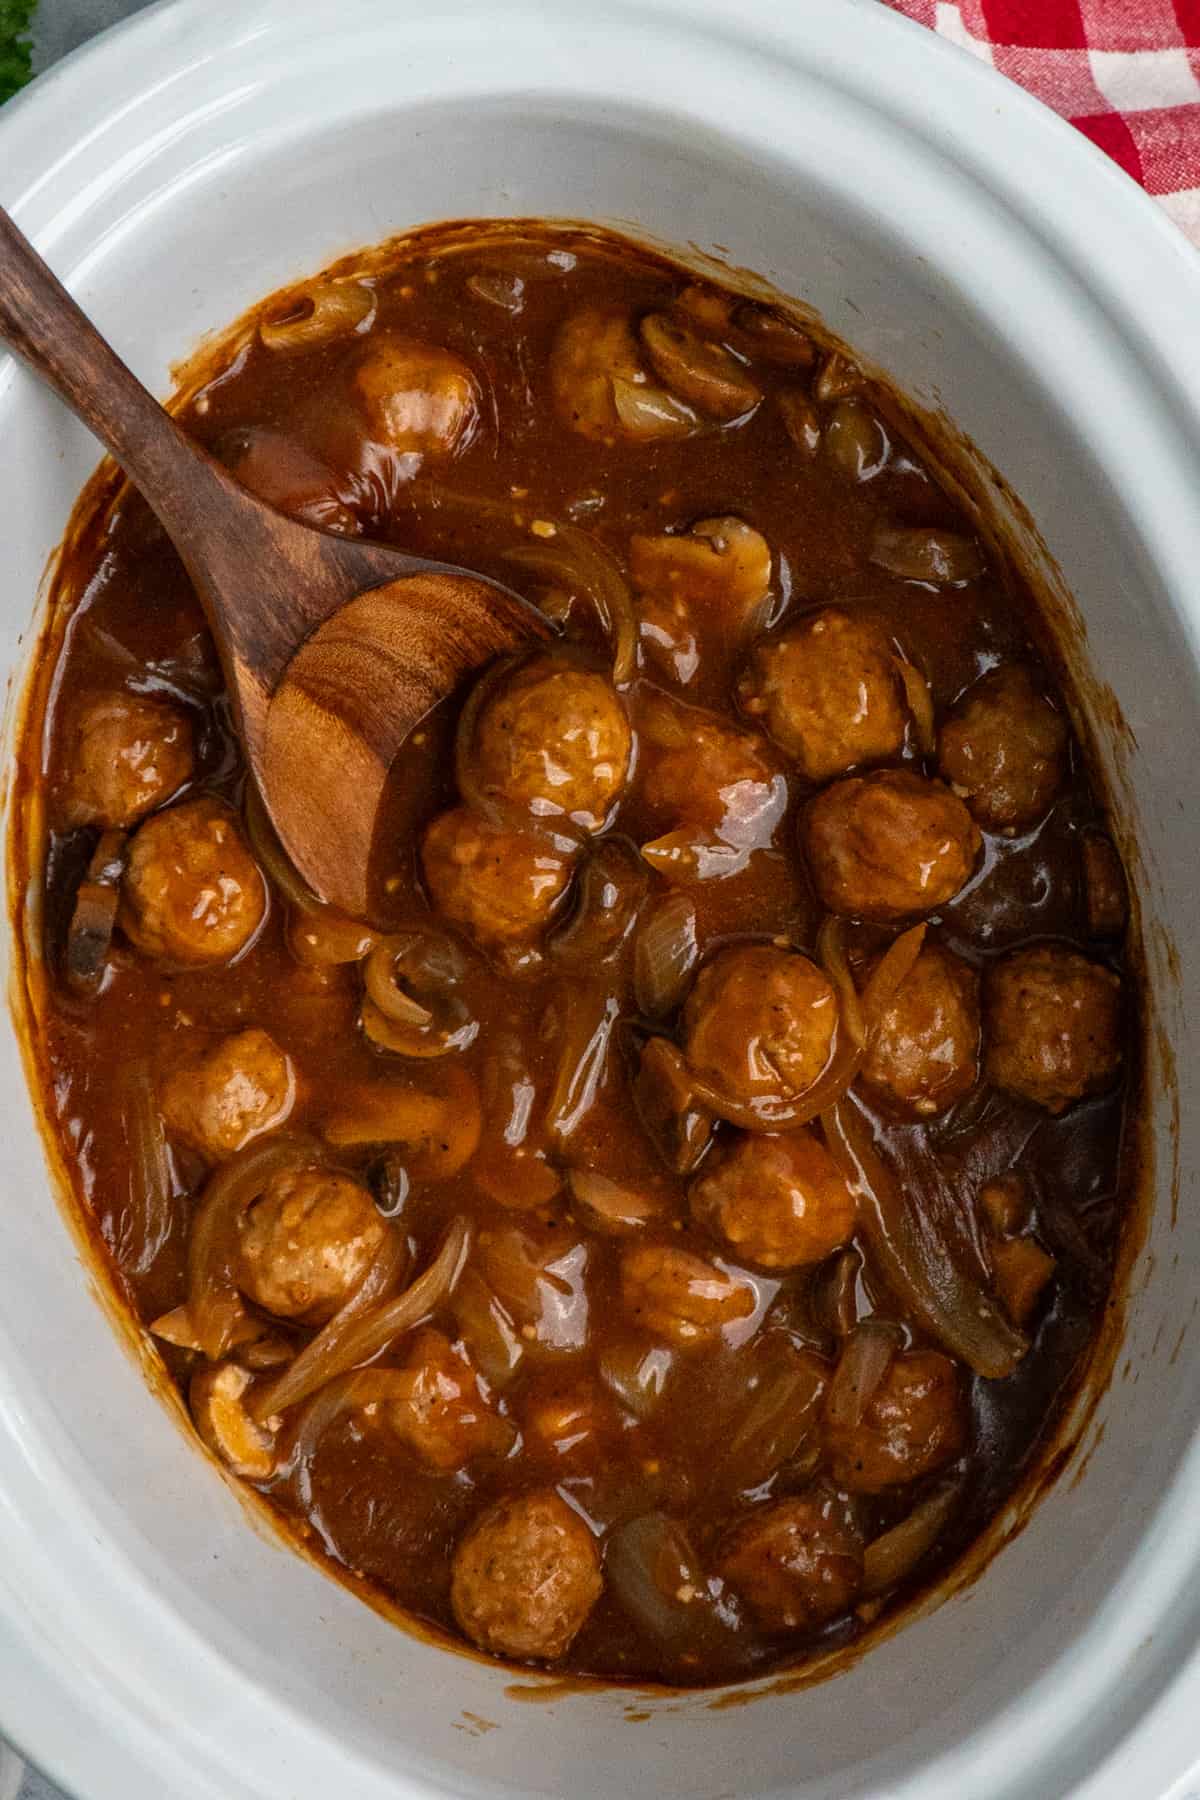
(369, 1331)
(920, 705)
(779, 1409)
(665, 955)
(612, 1207)
(894, 1556)
(572, 559)
(386, 1269)
(486, 1329)
(831, 954)
(922, 553)
(151, 1186)
(664, 1092)
(647, 411)
(636, 1375)
(867, 1355)
(499, 288)
(611, 886)
(837, 378)
(835, 1296)
(583, 1060)
(213, 1297)
(270, 855)
(331, 310)
(694, 854)
(654, 1574)
(915, 1259)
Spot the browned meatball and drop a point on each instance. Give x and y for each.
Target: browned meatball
(916, 1422)
(924, 1054)
(780, 1202)
(128, 753)
(526, 1575)
(439, 1409)
(307, 1242)
(555, 739)
(220, 1100)
(828, 692)
(796, 1563)
(502, 885)
(1004, 749)
(759, 1024)
(680, 1297)
(192, 891)
(888, 845)
(1053, 1026)
(417, 397)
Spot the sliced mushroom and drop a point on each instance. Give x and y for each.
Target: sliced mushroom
(698, 369)
(217, 1398)
(922, 553)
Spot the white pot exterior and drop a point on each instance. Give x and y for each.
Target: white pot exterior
(151, 1642)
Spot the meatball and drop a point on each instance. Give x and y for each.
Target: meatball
(501, 885)
(307, 1242)
(780, 1202)
(600, 384)
(796, 1563)
(417, 397)
(525, 1577)
(924, 1054)
(759, 1024)
(888, 845)
(1053, 1026)
(915, 1423)
(554, 739)
(827, 690)
(701, 771)
(192, 892)
(439, 1409)
(218, 1101)
(1004, 749)
(680, 1297)
(127, 754)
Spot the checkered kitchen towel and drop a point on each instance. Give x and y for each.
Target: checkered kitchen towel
(1126, 72)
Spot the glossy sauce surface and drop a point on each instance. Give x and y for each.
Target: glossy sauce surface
(671, 1406)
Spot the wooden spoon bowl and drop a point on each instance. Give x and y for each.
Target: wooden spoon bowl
(333, 649)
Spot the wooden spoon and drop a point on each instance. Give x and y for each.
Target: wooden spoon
(333, 649)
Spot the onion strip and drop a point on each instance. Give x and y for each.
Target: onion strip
(920, 705)
(913, 1257)
(892, 1557)
(370, 1331)
(151, 1188)
(214, 1300)
(573, 559)
(583, 1060)
(376, 1285)
(866, 1357)
(831, 954)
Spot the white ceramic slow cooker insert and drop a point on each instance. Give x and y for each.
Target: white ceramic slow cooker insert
(152, 1642)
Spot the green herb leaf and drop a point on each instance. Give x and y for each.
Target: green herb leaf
(16, 21)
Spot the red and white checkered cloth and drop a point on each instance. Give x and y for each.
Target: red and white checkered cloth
(1126, 72)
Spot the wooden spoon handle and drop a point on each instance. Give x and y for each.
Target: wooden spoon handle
(43, 325)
